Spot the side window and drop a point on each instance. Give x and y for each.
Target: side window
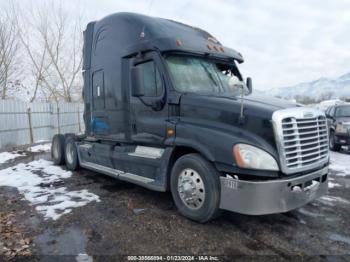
(98, 90)
(331, 111)
(151, 79)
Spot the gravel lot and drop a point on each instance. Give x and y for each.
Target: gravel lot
(97, 218)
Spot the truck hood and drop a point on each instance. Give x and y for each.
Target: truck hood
(343, 119)
(261, 106)
(270, 101)
(224, 112)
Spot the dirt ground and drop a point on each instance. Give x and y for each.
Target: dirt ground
(131, 220)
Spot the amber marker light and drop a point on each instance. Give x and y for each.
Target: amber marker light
(238, 156)
(170, 132)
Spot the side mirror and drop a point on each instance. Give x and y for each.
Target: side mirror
(329, 116)
(249, 85)
(137, 81)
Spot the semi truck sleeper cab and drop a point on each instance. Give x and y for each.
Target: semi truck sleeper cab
(166, 108)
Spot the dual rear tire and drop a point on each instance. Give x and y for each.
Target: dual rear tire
(57, 149)
(64, 151)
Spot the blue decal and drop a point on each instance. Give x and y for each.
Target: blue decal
(98, 126)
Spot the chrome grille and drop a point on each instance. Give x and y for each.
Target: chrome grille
(302, 138)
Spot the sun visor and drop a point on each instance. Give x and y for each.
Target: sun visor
(189, 45)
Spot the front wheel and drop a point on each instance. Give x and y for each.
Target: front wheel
(195, 187)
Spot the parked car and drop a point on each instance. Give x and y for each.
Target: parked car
(338, 119)
(324, 105)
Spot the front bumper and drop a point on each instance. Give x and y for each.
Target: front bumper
(272, 196)
(342, 139)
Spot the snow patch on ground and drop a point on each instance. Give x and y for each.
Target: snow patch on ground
(36, 182)
(333, 185)
(339, 238)
(340, 162)
(309, 213)
(6, 156)
(83, 258)
(302, 221)
(40, 148)
(42, 141)
(329, 200)
(341, 174)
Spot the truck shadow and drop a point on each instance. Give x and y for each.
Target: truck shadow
(160, 205)
(148, 199)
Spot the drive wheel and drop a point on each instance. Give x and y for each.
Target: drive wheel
(195, 187)
(332, 145)
(57, 149)
(71, 154)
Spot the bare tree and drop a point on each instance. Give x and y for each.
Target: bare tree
(9, 47)
(305, 100)
(345, 98)
(326, 96)
(33, 46)
(63, 41)
(52, 39)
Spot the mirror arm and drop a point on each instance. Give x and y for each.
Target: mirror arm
(249, 85)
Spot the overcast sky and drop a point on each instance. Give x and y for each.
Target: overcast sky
(283, 42)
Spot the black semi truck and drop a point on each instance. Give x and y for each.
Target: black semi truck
(166, 108)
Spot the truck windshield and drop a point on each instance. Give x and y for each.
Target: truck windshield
(204, 76)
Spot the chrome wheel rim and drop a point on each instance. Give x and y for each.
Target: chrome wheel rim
(55, 148)
(191, 189)
(70, 153)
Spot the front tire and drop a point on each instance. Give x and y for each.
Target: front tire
(332, 145)
(57, 149)
(71, 154)
(195, 187)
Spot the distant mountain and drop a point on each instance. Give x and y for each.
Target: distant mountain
(320, 89)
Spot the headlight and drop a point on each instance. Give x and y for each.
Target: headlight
(341, 128)
(248, 156)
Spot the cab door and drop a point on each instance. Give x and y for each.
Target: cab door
(149, 113)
